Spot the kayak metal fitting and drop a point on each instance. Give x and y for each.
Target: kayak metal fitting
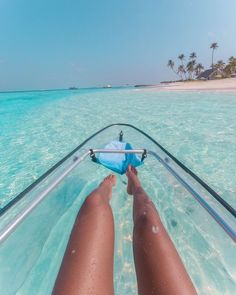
(144, 155)
(121, 136)
(92, 155)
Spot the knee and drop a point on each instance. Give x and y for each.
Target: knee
(141, 218)
(94, 204)
(145, 219)
(94, 199)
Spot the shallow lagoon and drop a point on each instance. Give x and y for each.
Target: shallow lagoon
(39, 128)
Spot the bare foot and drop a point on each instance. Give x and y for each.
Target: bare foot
(107, 184)
(133, 181)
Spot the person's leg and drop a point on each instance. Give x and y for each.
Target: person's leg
(158, 266)
(87, 266)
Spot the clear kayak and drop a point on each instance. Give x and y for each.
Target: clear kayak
(35, 226)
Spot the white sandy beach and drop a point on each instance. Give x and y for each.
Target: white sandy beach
(224, 85)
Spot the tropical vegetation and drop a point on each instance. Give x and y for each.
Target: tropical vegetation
(213, 46)
(189, 69)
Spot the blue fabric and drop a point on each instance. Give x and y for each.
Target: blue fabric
(118, 162)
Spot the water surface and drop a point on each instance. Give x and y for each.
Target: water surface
(39, 128)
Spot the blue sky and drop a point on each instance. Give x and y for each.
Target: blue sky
(58, 43)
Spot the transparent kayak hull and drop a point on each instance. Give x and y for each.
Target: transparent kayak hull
(32, 249)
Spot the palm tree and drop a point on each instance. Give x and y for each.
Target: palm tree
(232, 65)
(171, 65)
(198, 69)
(232, 62)
(220, 65)
(191, 64)
(181, 71)
(213, 46)
(181, 57)
(232, 59)
(193, 55)
(190, 68)
(228, 70)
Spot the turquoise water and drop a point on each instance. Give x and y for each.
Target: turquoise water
(39, 128)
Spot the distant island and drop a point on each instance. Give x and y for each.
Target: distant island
(73, 88)
(145, 85)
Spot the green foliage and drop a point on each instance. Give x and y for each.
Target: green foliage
(191, 69)
(220, 65)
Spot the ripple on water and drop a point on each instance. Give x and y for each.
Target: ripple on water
(38, 129)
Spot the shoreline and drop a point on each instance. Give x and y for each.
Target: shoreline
(224, 85)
